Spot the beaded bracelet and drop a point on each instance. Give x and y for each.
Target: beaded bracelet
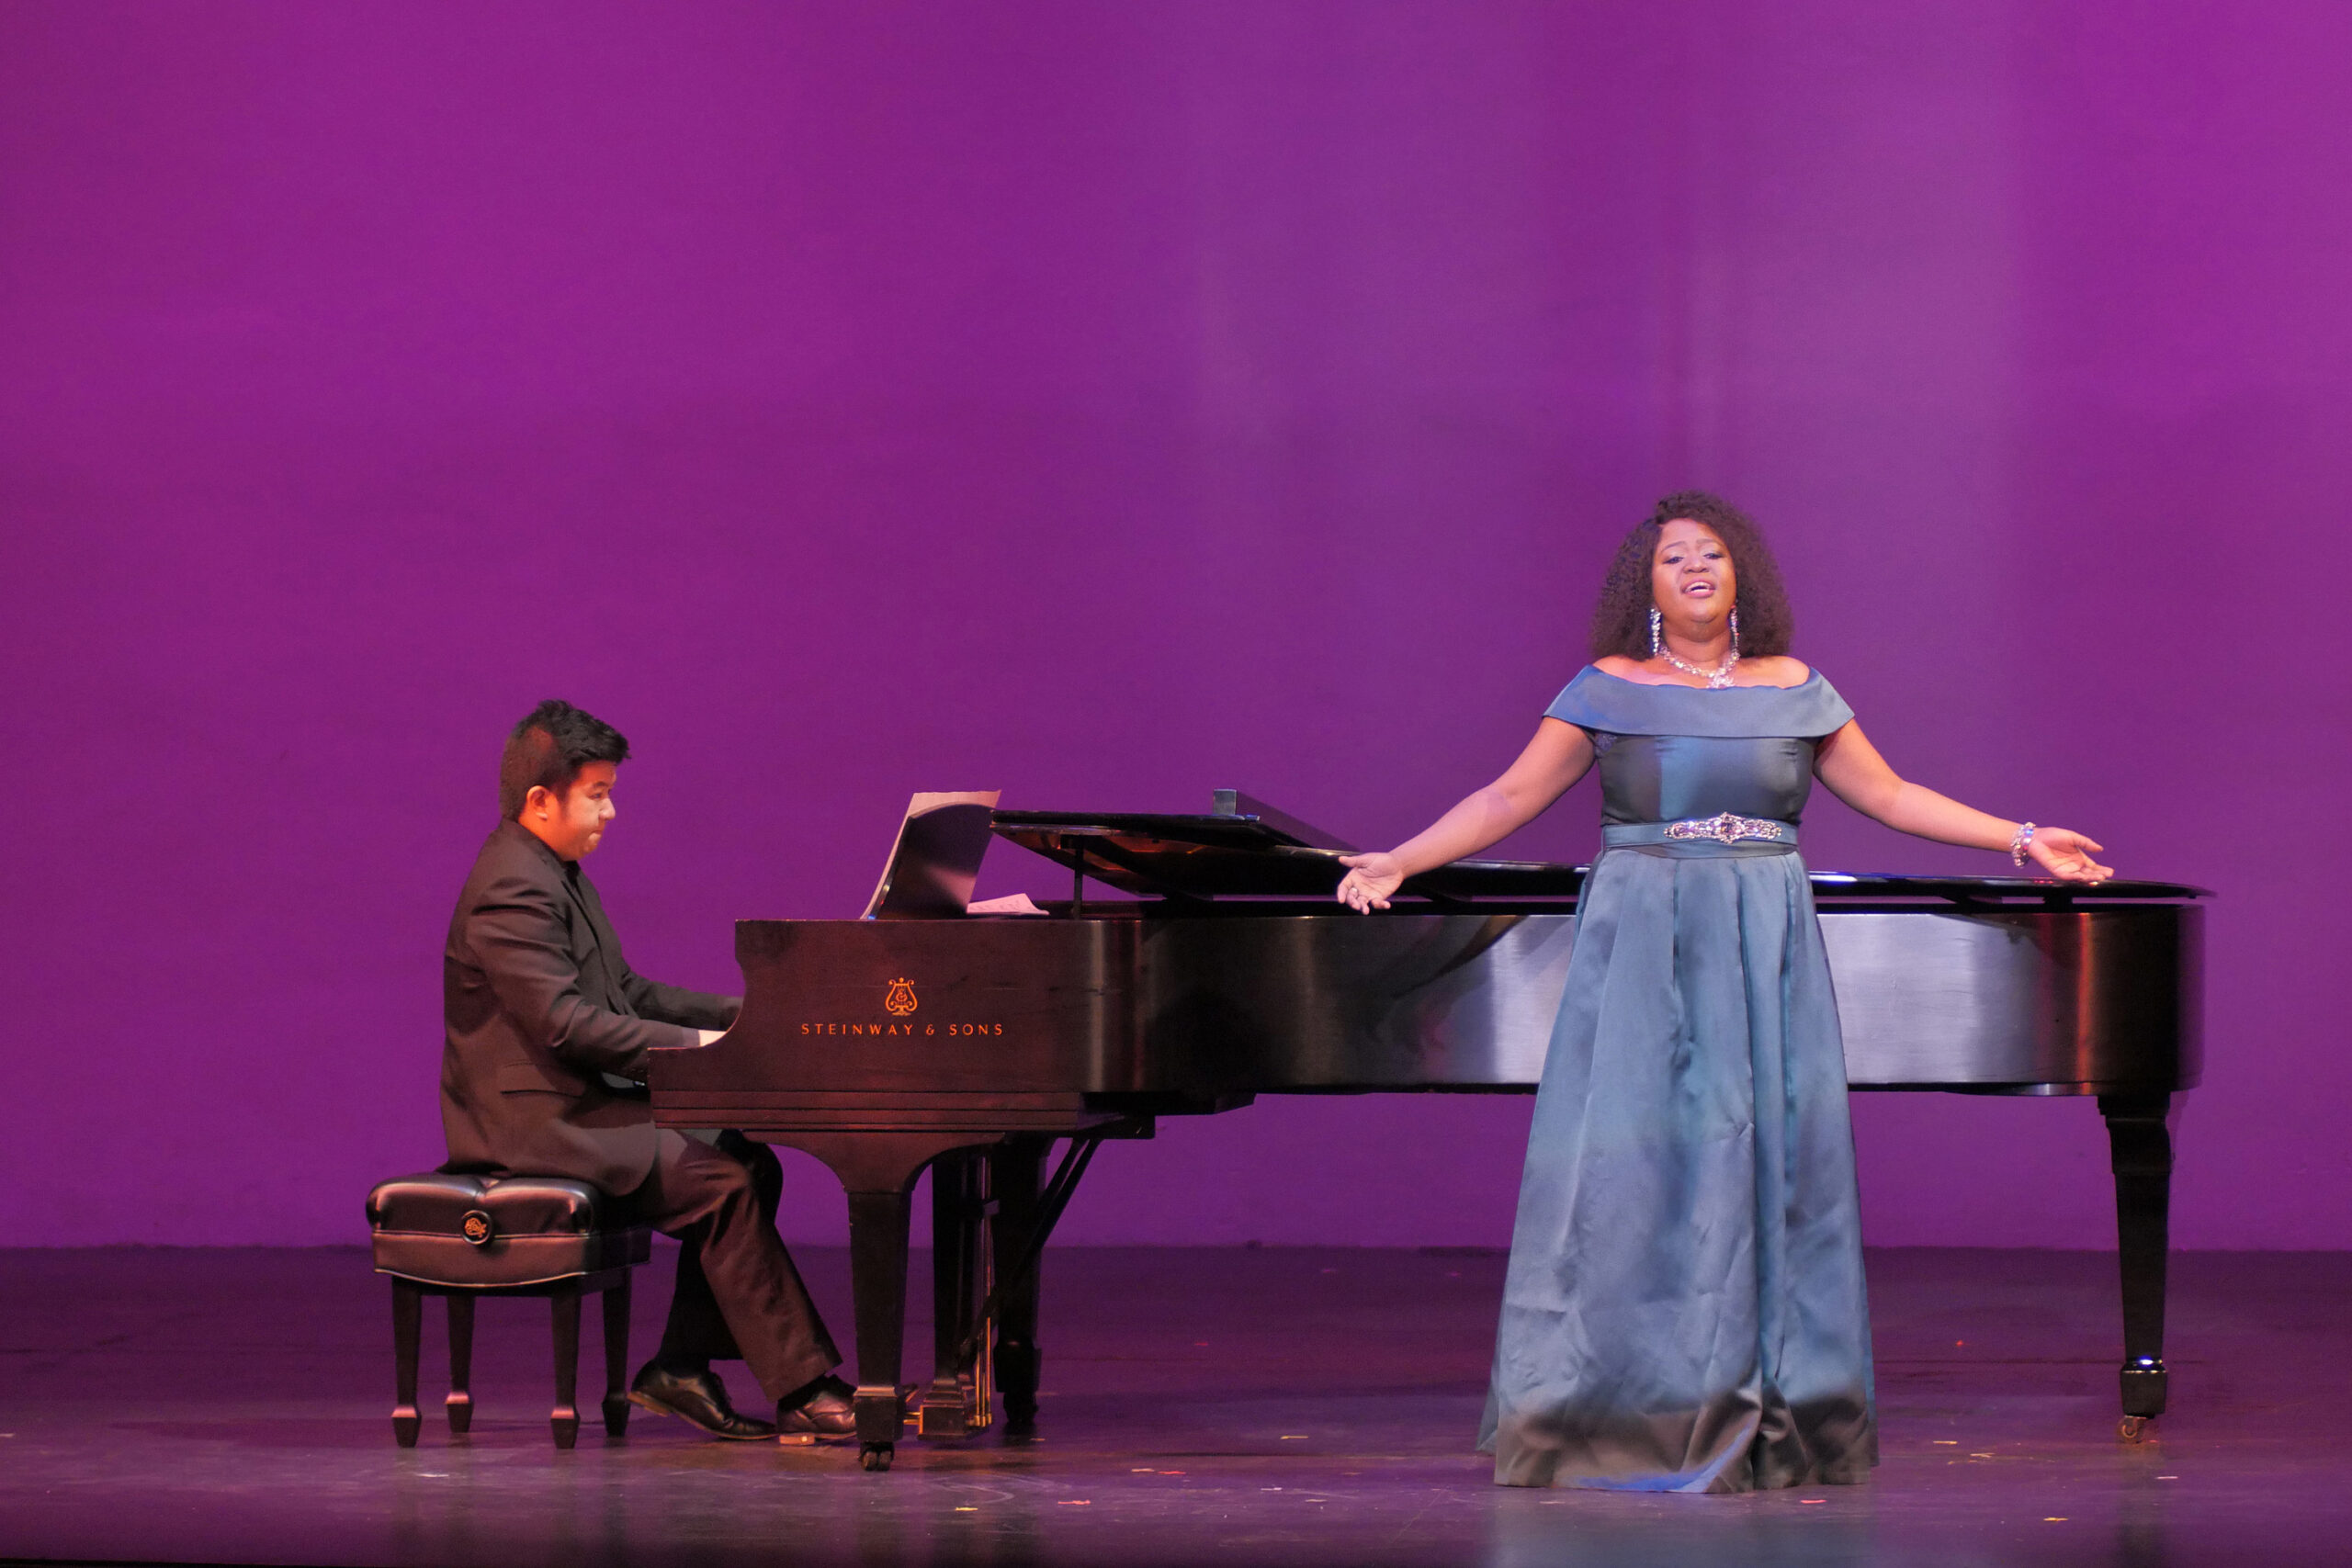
(2018, 842)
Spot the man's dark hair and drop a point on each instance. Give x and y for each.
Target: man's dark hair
(1621, 622)
(548, 749)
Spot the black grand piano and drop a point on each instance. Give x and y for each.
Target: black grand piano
(969, 1044)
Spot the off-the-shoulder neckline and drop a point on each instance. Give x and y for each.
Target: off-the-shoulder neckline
(1811, 676)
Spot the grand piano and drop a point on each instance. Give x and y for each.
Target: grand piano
(1218, 968)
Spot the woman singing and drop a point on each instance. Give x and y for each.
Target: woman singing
(1685, 1308)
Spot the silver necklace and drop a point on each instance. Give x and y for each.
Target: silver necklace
(1720, 676)
(1717, 678)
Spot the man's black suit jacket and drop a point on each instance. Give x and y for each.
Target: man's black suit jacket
(539, 1005)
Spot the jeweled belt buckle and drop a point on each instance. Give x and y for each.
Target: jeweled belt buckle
(1725, 829)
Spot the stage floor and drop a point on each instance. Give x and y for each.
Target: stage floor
(1218, 1405)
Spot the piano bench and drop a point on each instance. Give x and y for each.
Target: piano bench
(439, 1233)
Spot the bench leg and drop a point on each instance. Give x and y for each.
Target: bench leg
(564, 1308)
(408, 1311)
(617, 1358)
(461, 1362)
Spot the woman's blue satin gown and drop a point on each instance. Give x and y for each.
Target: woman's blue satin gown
(1685, 1309)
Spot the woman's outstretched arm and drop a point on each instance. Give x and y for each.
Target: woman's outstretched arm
(1854, 772)
(1556, 759)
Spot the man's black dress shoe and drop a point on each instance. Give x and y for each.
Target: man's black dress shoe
(698, 1397)
(825, 1410)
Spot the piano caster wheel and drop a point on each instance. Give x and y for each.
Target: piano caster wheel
(2133, 1429)
(875, 1456)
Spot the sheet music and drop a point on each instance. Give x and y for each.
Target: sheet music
(935, 859)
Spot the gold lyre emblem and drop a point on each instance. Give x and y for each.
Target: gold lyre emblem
(901, 999)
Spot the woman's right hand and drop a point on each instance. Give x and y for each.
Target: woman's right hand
(1370, 880)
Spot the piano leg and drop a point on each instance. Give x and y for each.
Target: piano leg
(2140, 1134)
(877, 1269)
(877, 1171)
(1019, 1178)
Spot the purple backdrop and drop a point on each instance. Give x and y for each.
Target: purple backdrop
(1106, 403)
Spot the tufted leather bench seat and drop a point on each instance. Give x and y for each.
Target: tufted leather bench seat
(448, 1233)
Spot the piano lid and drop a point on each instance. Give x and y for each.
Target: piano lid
(1245, 849)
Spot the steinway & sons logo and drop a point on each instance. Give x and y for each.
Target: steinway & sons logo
(900, 1002)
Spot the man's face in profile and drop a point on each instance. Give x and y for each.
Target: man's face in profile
(573, 825)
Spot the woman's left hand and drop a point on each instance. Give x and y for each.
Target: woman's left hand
(2066, 855)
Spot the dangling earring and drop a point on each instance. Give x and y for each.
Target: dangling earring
(1734, 634)
(1655, 621)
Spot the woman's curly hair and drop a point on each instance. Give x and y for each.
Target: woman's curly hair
(1621, 622)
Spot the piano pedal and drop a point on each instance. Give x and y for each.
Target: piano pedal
(949, 1410)
(935, 1420)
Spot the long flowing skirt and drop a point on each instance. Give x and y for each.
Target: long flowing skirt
(1685, 1308)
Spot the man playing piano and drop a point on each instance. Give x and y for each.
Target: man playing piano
(543, 1071)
